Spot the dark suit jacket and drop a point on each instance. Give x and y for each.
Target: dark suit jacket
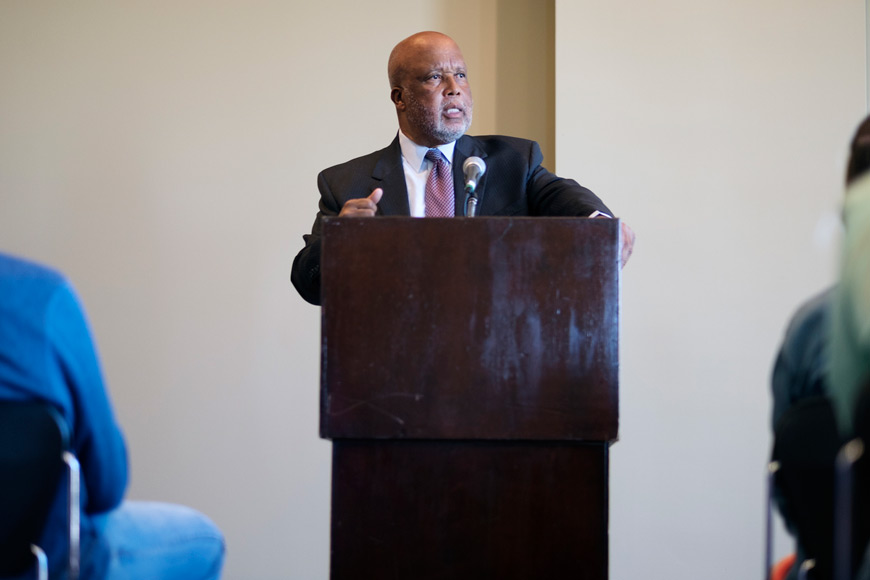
(514, 184)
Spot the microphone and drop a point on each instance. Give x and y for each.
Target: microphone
(473, 168)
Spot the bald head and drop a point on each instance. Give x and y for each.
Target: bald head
(429, 87)
(412, 49)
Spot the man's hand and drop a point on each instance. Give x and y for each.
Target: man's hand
(627, 238)
(627, 243)
(362, 207)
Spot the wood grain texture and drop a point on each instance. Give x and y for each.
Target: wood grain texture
(485, 328)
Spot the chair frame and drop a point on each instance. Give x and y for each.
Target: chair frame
(40, 412)
(847, 458)
(806, 442)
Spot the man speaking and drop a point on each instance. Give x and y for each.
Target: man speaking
(423, 171)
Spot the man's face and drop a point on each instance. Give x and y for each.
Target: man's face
(434, 99)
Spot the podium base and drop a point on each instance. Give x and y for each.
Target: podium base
(448, 509)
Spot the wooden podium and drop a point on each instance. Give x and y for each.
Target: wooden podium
(470, 388)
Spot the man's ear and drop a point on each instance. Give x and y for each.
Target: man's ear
(396, 97)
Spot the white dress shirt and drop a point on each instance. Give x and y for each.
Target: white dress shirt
(417, 170)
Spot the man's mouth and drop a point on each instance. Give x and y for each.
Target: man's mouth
(453, 112)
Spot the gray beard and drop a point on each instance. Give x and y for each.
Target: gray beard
(434, 128)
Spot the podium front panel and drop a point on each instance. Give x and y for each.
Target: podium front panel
(484, 328)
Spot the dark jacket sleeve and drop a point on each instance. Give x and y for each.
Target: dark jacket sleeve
(517, 184)
(551, 195)
(305, 274)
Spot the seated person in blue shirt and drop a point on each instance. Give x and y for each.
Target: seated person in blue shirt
(46, 354)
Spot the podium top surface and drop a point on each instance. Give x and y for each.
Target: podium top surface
(458, 328)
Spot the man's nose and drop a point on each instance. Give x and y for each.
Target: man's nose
(452, 87)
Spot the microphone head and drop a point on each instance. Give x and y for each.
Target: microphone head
(477, 163)
(473, 168)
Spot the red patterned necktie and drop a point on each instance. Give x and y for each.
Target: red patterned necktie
(439, 186)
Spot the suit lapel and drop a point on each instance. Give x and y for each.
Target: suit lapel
(389, 175)
(466, 147)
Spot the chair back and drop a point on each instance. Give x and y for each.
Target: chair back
(33, 438)
(806, 442)
(860, 484)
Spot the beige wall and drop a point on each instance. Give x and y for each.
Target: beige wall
(525, 83)
(509, 46)
(164, 155)
(719, 131)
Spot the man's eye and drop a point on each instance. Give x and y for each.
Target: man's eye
(435, 77)
(460, 75)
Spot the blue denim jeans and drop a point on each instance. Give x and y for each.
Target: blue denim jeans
(158, 541)
(147, 541)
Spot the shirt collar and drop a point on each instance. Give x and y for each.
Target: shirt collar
(415, 154)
